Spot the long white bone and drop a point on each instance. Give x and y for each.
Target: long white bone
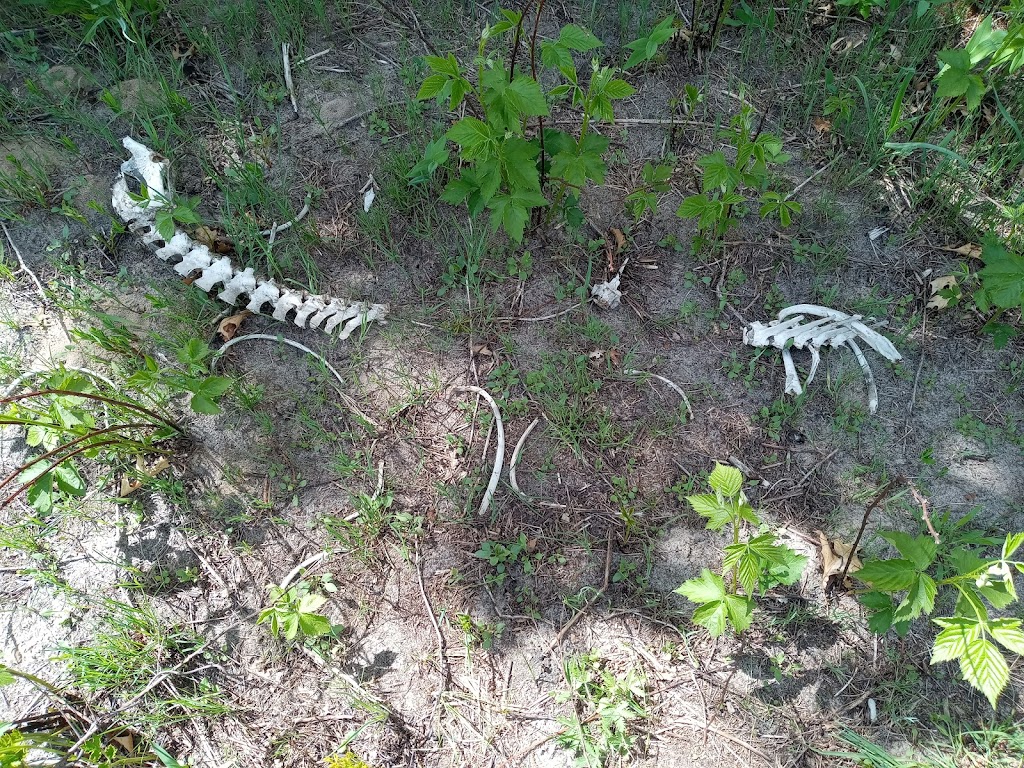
(830, 327)
(152, 175)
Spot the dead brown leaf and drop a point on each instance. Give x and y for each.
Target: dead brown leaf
(821, 125)
(130, 485)
(947, 284)
(834, 556)
(618, 238)
(970, 250)
(482, 350)
(214, 239)
(229, 326)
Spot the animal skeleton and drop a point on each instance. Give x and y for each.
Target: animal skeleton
(830, 328)
(152, 173)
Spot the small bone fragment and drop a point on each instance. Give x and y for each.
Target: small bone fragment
(219, 272)
(289, 300)
(343, 314)
(242, 282)
(375, 312)
(331, 309)
(178, 245)
(266, 291)
(311, 305)
(198, 258)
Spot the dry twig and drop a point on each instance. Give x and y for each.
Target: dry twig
(499, 451)
(579, 614)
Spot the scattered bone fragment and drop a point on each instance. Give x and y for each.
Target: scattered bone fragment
(146, 175)
(828, 327)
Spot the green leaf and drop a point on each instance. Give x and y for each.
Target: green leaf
(984, 667)
(311, 602)
(888, 575)
(619, 89)
(1007, 632)
(726, 480)
(448, 65)
(314, 625)
(693, 206)
(513, 211)
(707, 505)
(529, 97)
(1002, 277)
(740, 610)
(435, 155)
(473, 137)
(6, 678)
(645, 48)
(920, 599)
(68, 480)
(555, 55)
(952, 641)
(719, 173)
(518, 160)
(40, 494)
(201, 403)
(882, 611)
(432, 86)
(706, 588)
(713, 616)
(1012, 544)
(920, 549)
(578, 39)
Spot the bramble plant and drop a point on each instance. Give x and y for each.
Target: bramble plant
(756, 565)
(294, 609)
(905, 588)
(615, 701)
(645, 198)
(1002, 288)
(504, 171)
(726, 185)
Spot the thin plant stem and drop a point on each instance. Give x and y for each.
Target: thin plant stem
(99, 398)
(60, 448)
(882, 495)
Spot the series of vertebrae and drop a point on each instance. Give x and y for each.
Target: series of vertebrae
(139, 212)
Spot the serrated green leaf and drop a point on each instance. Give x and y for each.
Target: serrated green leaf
(719, 173)
(555, 55)
(740, 611)
(1007, 632)
(473, 137)
(984, 667)
(1002, 277)
(706, 588)
(888, 575)
(713, 616)
(578, 39)
(693, 206)
(68, 480)
(1012, 544)
(918, 549)
(619, 89)
(920, 599)
(952, 641)
(313, 625)
(707, 505)
(431, 87)
(726, 480)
